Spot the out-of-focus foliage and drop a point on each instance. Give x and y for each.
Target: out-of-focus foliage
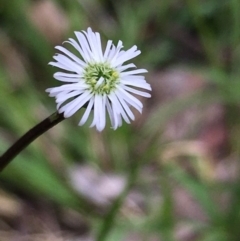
(181, 156)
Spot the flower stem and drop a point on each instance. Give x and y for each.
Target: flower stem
(29, 137)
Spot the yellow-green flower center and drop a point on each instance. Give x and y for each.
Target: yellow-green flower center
(101, 78)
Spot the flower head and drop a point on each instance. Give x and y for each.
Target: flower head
(98, 80)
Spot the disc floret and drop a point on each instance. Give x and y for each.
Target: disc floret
(101, 78)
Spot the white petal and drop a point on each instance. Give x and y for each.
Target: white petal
(71, 55)
(117, 107)
(108, 47)
(134, 78)
(124, 105)
(79, 49)
(98, 112)
(68, 63)
(111, 53)
(137, 71)
(60, 65)
(131, 99)
(65, 79)
(138, 92)
(68, 75)
(114, 122)
(143, 85)
(70, 108)
(99, 82)
(101, 112)
(129, 54)
(87, 54)
(95, 112)
(63, 97)
(95, 44)
(116, 53)
(68, 87)
(124, 67)
(86, 113)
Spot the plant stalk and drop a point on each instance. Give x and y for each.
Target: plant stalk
(29, 137)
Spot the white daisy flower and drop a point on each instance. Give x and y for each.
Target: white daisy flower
(98, 80)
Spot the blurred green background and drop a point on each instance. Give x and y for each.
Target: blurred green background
(173, 174)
